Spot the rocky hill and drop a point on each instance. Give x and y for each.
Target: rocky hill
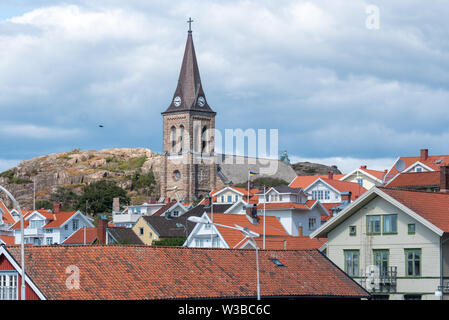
(73, 170)
(313, 169)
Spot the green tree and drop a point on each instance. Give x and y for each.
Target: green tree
(66, 197)
(99, 196)
(170, 242)
(44, 204)
(144, 181)
(264, 181)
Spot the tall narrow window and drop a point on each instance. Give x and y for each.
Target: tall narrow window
(173, 139)
(413, 262)
(381, 258)
(352, 262)
(312, 223)
(8, 286)
(203, 139)
(373, 224)
(181, 138)
(390, 223)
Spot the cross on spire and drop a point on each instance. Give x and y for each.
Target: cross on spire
(190, 24)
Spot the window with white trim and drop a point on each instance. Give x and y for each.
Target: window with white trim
(75, 224)
(8, 286)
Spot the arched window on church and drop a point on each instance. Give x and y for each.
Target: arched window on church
(203, 140)
(173, 139)
(181, 138)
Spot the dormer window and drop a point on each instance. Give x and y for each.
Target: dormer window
(36, 224)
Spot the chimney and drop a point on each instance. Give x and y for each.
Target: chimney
(346, 196)
(251, 212)
(102, 223)
(424, 154)
(444, 179)
(57, 207)
(167, 199)
(330, 175)
(116, 204)
(363, 167)
(300, 231)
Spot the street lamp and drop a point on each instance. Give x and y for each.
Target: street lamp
(22, 245)
(245, 231)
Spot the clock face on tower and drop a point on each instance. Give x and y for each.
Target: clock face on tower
(201, 101)
(177, 101)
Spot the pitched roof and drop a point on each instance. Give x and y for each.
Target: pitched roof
(55, 219)
(127, 235)
(164, 209)
(130, 272)
(233, 237)
(433, 162)
(285, 205)
(290, 243)
(124, 235)
(8, 240)
(305, 181)
(344, 186)
(376, 173)
(286, 189)
(6, 217)
(415, 179)
(432, 206)
(168, 228)
(189, 86)
(78, 236)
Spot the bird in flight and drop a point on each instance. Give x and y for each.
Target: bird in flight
(101, 126)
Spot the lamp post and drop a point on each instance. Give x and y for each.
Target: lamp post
(22, 245)
(245, 231)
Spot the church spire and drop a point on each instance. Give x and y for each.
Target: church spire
(189, 94)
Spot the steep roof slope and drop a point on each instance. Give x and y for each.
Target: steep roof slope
(130, 272)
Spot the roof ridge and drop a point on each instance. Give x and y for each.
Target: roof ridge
(411, 190)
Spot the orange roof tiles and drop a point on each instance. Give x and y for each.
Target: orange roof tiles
(7, 217)
(8, 240)
(344, 186)
(290, 243)
(376, 173)
(431, 162)
(432, 206)
(79, 237)
(285, 205)
(233, 237)
(130, 272)
(305, 181)
(410, 179)
(55, 219)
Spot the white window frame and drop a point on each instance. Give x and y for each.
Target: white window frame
(5, 284)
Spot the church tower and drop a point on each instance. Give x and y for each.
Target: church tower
(188, 141)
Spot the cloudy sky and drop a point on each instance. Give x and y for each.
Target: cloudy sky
(338, 91)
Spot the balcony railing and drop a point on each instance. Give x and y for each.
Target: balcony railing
(384, 281)
(33, 232)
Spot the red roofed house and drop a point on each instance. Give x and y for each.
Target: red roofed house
(6, 221)
(46, 227)
(365, 177)
(423, 162)
(130, 272)
(423, 181)
(208, 235)
(394, 242)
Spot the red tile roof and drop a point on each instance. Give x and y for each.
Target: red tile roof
(286, 205)
(7, 217)
(290, 243)
(411, 179)
(8, 240)
(432, 206)
(431, 162)
(305, 181)
(55, 219)
(233, 237)
(344, 186)
(376, 173)
(130, 272)
(78, 236)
